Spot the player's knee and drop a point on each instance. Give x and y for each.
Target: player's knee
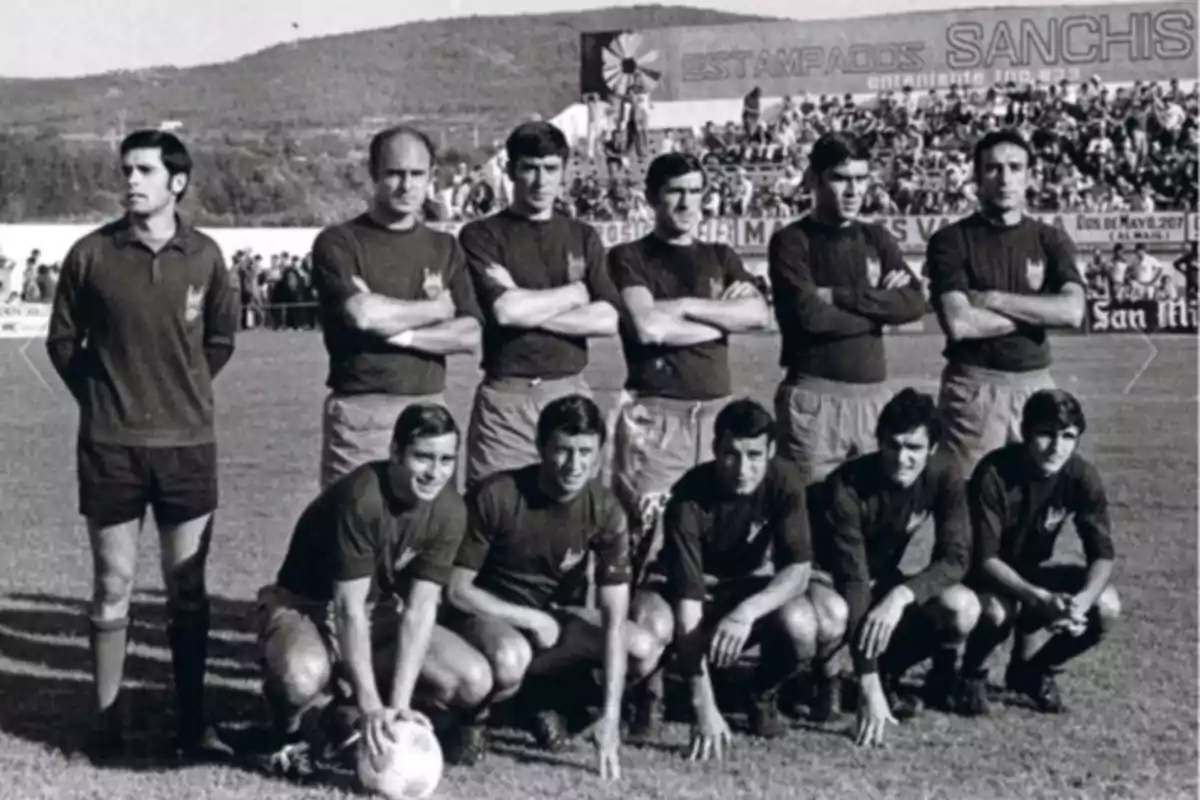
(301, 678)
(510, 661)
(111, 595)
(832, 617)
(643, 648)
(960, 608)
(474, 682)
(799, 621)
(1108, 608)
(995, 612)
(657, 620)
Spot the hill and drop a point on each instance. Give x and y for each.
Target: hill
(485, 71)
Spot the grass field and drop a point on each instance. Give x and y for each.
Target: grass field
(1131, 733)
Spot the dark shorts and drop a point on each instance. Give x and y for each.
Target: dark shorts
(117, 482)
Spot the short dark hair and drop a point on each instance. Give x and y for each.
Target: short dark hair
(907, 411)
(381, 139)
(834, 149)
(536, 140)
(422, 421)
(175, 155)
(1051, 410)
(671, 165)
(997, 138)
(573, 415)
(744, 419)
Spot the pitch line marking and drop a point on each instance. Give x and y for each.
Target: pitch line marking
(1151, 355)
(33, 367)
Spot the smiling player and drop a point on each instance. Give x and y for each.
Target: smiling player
(1021, 497)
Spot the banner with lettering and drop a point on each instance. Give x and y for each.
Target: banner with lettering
(1141, 316)
(975, 48)
(24, 320)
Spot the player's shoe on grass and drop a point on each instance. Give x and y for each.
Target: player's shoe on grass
(1040, 688)
(292, 760)
(106, 742)
(764, 718)
(645, 714)
(549, 729)
(902, 704)
(202, 745)
(464, 745)
(971, 698)
(939, 688)
(826, 703)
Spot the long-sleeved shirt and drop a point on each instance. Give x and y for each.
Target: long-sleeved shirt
(138, 336)
(865, 524)
(841, 340)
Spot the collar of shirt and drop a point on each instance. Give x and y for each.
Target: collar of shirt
(185, 239)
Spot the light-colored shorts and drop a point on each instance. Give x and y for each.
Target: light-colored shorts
(823, 423)
(656, 440)
(502, 434)
(357, 428)
(981, 409)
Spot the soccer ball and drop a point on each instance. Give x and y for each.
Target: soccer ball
(410, 768)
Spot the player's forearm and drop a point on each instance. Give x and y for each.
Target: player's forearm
(787, 584)
(354, 637)
(658, 328)
(68, 356)
(816, 317)
(386, 316)
(416, 629)
(532, 308)
(459, 335)
(595, 319)
(884, 306)
(1063, 310)
(691, 645)
(952, 559)
(1099, 572)
(1011, 581)
(614, 610)
(482, 603)
(977, 323)
(732, 316)
(858, 603)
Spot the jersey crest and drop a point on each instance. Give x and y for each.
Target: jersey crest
(716, 288)
(193, 304)
(874, 272)
(1035, 274)
(576, 268)
(572, 559)
(1055, 517)
(756, 528)
(432, 284)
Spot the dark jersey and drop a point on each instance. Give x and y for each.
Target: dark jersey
(416, 264)
(137, 336)
(842, 340)
(543, 254)
(1018, 513)
(711, 535)
(1030, 258)
(670, 272)
(531, 549)
(864, 523)
(368, 525)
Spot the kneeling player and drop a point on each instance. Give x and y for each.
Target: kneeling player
(868, 511)
(1021, 495)
(519, 577)
(736, 558)
(355, 602)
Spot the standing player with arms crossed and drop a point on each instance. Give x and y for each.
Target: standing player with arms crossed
(682, 299)
(1021, 495)
(351, 618)
(836, 282)
(865, 515)
(520, 576)
(999, 280)
(395, 298)
(734, 570)
(143, 320)
(544, 289)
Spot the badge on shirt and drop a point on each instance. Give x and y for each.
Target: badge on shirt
(406, 555)
(755, 529)
(431, 284)
(193, 304)
(874, 271)
(716, 288)
(572, 560)
(576, 268)
(1035, 274)
(1055, 517)
(915, 520)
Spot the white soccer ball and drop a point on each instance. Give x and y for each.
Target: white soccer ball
(409, 769)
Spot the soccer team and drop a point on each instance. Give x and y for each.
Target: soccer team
(576, 571)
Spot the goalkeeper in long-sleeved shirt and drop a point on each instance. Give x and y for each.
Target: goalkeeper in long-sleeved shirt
(865, 515)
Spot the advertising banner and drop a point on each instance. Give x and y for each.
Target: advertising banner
(1141, 316)
(24, 320)
(975, 48)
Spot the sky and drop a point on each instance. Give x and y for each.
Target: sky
(65, 38)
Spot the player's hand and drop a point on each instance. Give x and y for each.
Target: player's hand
(445, 304)
(376, 729)
(711, 736)
(360, 284)
(546, 631)
(607, 733)
(874, 714)
(879, 625)
(499, 276)
(897, 279)
(1051, 605)
(825, 294)
(409, 715)
(729, 639)
(1074, 620)
(739, 290)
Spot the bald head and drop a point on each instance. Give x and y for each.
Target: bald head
(401, 161)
